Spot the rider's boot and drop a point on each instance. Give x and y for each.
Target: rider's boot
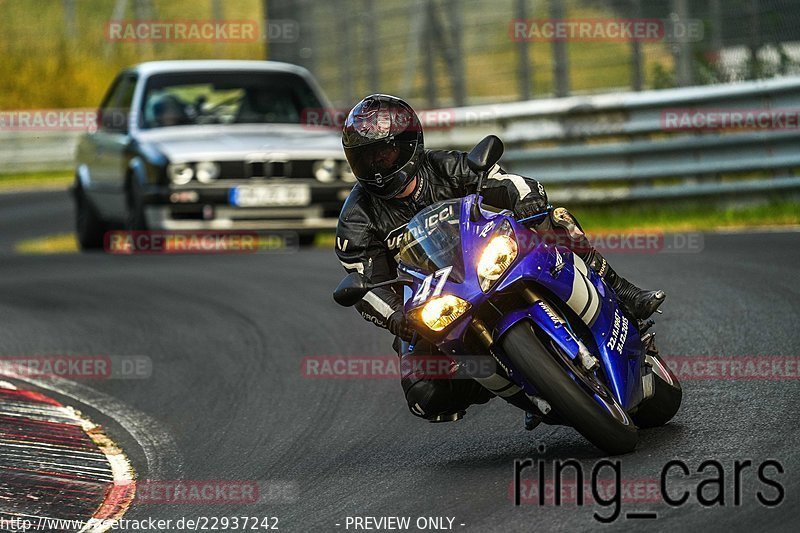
(639, 302)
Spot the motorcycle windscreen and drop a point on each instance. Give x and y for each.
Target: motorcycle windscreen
(432, 240)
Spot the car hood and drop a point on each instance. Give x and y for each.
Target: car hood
(239, 142)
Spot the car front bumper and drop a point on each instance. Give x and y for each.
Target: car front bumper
(209, 208)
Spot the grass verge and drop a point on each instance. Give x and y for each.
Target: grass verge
(689, 216)
(35, 180)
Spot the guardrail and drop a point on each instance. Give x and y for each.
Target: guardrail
(35, 151)
(601, 148)
(622, 147)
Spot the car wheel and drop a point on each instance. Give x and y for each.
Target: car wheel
(135, 219)
(89, 227)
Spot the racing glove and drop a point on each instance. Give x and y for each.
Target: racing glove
(532, 204)
(398, 325)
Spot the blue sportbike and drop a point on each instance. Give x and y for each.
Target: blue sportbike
(477, 281)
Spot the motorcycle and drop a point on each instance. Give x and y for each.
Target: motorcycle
(553, 327)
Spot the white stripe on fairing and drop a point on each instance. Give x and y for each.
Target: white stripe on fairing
(519, 182)
(594, 308)
(582, 290)
(580, 265)
(579, 295)
(496, 382)
(379, 305)
(359, 267)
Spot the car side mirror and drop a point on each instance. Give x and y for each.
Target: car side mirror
(485, 154)
(351, 290)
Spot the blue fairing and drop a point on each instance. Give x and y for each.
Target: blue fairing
(616, 339)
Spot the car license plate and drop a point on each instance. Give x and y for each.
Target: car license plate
(270, 195)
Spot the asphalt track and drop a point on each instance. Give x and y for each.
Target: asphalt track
(227, 400)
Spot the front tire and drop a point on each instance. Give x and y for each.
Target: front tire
(135, 219)
(90, 229)
(614, 434)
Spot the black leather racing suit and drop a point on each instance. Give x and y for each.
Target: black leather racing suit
(368, 239)
(370, 229)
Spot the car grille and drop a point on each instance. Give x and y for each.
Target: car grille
(239, 170)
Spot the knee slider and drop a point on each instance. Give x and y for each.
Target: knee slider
(427, 398)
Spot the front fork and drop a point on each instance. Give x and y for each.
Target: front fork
(557, 328)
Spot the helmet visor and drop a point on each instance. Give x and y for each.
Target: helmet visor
(376, 162)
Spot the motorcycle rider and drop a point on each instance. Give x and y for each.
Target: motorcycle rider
(397, 177)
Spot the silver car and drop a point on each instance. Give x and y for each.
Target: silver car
(211, 145)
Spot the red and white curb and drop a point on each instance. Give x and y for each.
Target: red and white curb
(57, 466)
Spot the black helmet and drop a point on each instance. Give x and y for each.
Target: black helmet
(382, 139)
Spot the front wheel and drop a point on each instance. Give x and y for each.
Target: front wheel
(89, 227)
(596, 415)
(135, 219)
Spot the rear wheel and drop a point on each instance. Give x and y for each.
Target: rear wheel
(90, 229)
(666, 399)
(586, 404)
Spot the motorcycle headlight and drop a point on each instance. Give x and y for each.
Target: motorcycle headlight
(325, 170)
(497, 257)
(442, 311)
(207, 171)
(180, 173)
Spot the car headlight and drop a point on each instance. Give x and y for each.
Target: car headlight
(440, 312)
(347, 174)
(497, 256)
(325, 170)
(180, 173)
(207, 171)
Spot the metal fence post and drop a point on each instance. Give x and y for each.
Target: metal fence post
(683, 74)
(345, 55)
(754, 40)
(525, 78)
(560, 60)
(372, 46)
(457, 55)
(430, 67)
(637, 77)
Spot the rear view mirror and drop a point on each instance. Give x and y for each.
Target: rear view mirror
(485, 154)
(351, 290)
(355, 286)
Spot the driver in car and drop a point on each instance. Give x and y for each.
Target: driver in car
(168, 111)
(397, 177)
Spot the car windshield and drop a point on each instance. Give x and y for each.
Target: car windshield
(257, 97)
(433, 240)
